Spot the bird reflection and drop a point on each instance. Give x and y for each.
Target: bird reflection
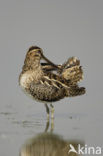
(49, 144)
(48, 124)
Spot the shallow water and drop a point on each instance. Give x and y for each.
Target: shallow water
(17, 126)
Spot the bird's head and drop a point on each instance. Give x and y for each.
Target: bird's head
(34, 53)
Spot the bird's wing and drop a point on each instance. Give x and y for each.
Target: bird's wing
(57, 80)
(70, 70)
(47, 90)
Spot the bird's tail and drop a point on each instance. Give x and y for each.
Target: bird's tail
(72, 70)
(75, 91)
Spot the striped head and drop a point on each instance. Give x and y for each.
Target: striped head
(34, 53)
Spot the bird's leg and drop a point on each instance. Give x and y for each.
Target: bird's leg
(52, 125)
(47, 126)
(52, 117)
(47, 111)
(52, 111)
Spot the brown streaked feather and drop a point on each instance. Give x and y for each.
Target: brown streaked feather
(59, 80)
(72, 70)
(72, 61)
(45, 92)
(49, 90)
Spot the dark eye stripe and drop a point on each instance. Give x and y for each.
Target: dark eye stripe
(36, 55)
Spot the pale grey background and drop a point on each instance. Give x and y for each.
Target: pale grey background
(62, 28)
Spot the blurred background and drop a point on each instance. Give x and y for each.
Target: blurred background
(62, 29)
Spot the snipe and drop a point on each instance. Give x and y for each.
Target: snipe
(39, 80)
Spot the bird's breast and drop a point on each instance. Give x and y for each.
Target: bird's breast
(25, 79)
(28, 77)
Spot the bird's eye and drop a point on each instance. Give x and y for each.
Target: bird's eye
(39, 52)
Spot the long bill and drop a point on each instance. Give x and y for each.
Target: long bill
(51, 63)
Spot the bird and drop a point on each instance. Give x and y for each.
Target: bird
(48, 82)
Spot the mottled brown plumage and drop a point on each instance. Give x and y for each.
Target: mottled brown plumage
(39, 80)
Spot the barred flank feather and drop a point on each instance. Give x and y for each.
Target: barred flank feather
(75, 91)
